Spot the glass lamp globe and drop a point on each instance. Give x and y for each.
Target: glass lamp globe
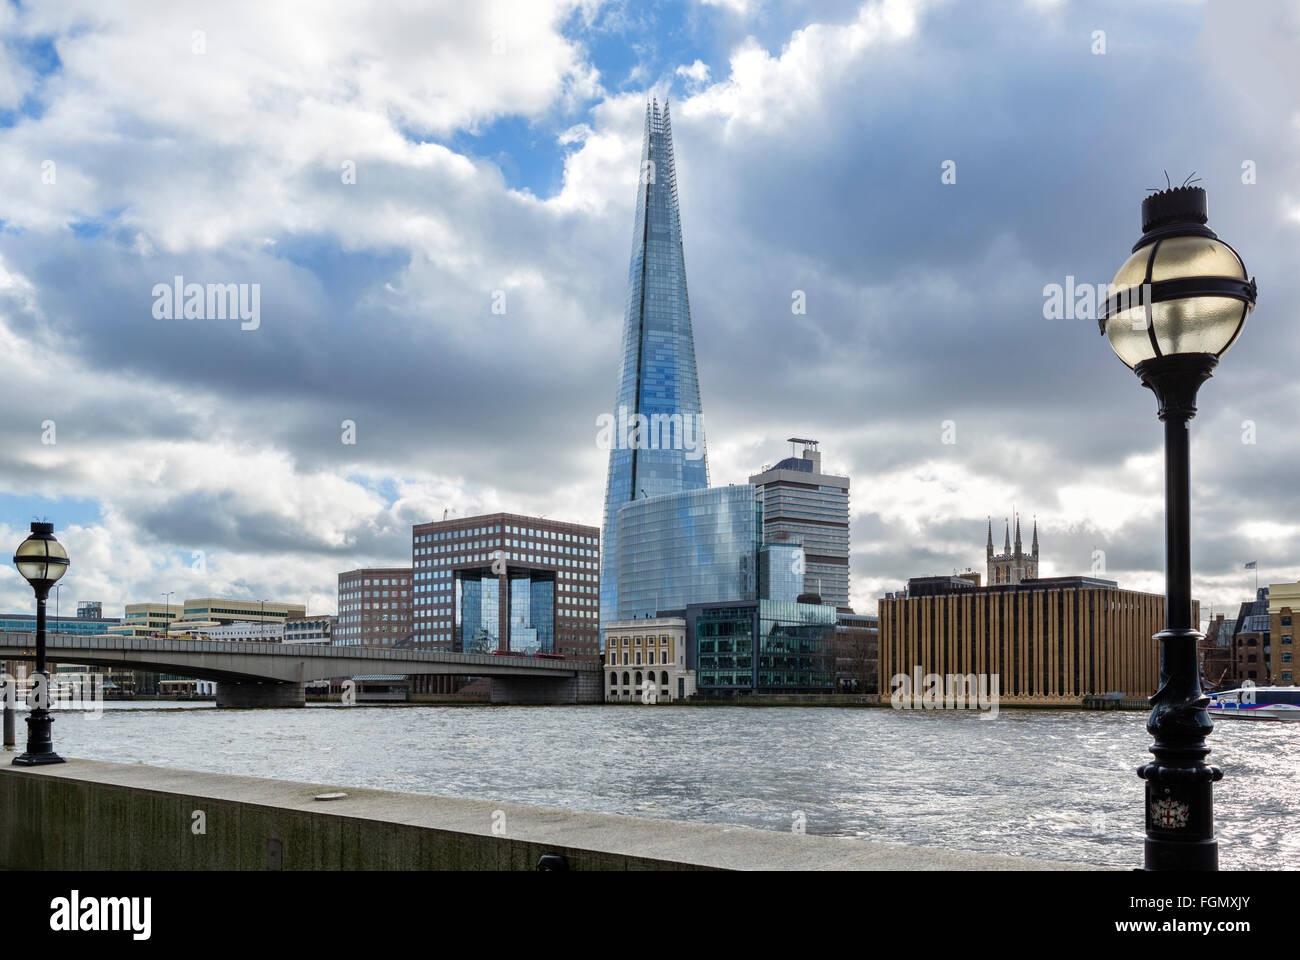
(40, 558)
(1182, 291)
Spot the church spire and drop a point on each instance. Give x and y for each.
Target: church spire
(1019, 547)
(1006, 538)
(988, 549)
(1035, 546)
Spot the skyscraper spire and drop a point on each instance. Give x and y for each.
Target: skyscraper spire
(657, 381)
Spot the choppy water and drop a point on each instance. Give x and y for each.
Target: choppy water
(1055, 785)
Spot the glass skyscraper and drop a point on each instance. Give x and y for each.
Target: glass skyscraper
(697, 546)
(657, 446)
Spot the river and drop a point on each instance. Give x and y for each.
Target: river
(1047, 784)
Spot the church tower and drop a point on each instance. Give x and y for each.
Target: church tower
(1011, 565)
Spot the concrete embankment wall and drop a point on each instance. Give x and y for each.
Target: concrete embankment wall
(90, 815)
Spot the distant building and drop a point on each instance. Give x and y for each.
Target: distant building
(690, 547)
(739, 648)
(645, 660)
(1050, 640)
(857, 652)
(318, 629)
(811, 508)
(243, 631)
(506, 581)
(213, 611)
(375, 607)
(1011, 565)
(90, 610)
(81, 626)
(147, 619)
(1251, 641)
(1215, 652)
(1283, 603)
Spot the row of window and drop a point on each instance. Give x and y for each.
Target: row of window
(634, 658)
(460, 535)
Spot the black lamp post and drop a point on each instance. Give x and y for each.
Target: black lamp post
(41, 560)
(1182, 299)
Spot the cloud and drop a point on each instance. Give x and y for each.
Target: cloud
(811, 163)
(696, 75)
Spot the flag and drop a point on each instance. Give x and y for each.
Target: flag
(1251, 565)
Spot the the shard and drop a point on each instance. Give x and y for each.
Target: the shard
(658, 443)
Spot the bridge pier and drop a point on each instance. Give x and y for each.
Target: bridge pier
(587, 687)
(261, 695)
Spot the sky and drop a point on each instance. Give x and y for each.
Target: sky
(435, 203)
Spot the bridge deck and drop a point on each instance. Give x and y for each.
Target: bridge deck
(235, 660)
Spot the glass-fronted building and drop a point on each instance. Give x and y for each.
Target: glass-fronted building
(761, 646)
(529, 605)
(780, 571)
(662, 451)
(698, 546)
(461, 595)
(26, 623)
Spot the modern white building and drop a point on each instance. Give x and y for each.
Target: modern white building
(309, 630)
(243, 630)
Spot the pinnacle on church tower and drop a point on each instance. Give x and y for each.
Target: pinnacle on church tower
(988, 550)
(1035, 544)
(1006, 538)
(1019, 548)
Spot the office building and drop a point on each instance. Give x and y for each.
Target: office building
(1047, 641)
(737, 648)
(215, 611)
(645, 660)
(505, 581)
(147, 619)
(319, 629)
(81, 626)
(375, 607)
(801, 502)
(690, 547)
(243, 631)
(658, 445)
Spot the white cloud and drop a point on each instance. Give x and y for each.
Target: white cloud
(696, 75)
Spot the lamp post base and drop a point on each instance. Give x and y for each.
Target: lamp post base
(40, 744)
(37, 759)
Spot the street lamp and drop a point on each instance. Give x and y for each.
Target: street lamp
(41, 560)
(1176, 306)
